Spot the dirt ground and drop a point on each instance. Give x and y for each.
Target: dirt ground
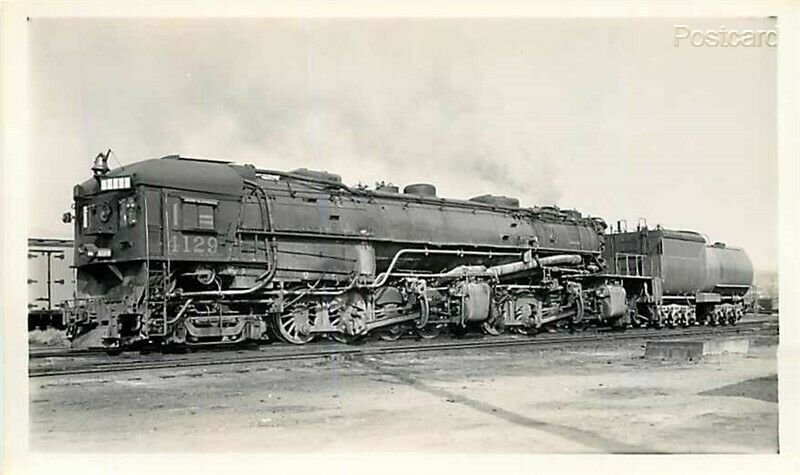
(604, 398)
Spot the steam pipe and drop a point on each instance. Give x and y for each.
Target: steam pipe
(262, 280)
(180, 313)
(383, 277)
(528, 263)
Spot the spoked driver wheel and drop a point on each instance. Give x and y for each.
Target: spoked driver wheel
(288, 327)
(430, 331)
(524, 330)
(423, 327)
(492, 328)
(392, 333)
(350, 306)
(345, 338)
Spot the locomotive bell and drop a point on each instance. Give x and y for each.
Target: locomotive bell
(100, 165)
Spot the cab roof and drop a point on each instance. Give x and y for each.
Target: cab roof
(177, 172)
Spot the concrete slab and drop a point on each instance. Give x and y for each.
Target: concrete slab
(693, 349)
(729, 345)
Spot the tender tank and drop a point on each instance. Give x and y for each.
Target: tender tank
(728, 270)
(684, 261)
(681, 256)
(690, 265)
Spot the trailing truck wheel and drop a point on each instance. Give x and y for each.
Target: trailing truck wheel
(288, 327)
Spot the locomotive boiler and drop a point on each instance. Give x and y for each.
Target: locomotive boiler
(193, 252)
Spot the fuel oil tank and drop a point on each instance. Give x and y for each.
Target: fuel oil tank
(681, 260)
(728, 270)
(689, 265)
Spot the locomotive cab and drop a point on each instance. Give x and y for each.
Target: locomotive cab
(139, 231)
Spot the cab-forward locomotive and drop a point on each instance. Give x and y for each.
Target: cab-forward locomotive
(194, 252)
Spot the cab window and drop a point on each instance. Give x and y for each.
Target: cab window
(198, 215)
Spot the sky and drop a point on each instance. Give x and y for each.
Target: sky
(605, 116)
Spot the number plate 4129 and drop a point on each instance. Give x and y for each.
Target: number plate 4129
(193, 244)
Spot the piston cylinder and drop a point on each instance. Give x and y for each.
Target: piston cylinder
(612, 301)
(476, 302)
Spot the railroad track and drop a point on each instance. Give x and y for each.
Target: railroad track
(65, 351)
(325, 351)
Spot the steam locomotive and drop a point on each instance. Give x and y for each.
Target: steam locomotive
(196, 252)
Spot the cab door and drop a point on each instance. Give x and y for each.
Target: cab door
(154, 217)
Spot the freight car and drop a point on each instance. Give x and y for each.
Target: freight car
(51, 281)
(186, 251)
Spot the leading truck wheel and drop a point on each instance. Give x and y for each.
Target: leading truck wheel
(289, 327)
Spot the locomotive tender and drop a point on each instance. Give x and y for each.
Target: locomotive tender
(187, 251)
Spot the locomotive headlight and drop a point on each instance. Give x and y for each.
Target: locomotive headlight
(105, 213)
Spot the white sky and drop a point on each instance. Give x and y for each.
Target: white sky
(605, 116)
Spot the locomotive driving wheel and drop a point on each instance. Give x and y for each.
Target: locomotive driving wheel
(525, 330)
(494, 325)
(293, 327)
(424, 328)
(392, 333)
(347, 309)
(430, 331)
(387, 300)
(491, 328)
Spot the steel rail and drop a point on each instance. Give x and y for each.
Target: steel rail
(117, 366)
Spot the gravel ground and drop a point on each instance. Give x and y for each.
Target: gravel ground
(601, 398)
